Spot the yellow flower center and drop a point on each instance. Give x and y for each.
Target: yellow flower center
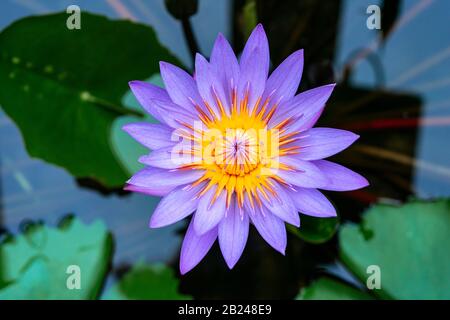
(238, 152)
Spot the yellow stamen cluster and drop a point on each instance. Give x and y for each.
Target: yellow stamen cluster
(237, 151)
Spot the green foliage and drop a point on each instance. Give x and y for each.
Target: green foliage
(34, 265)
(63, 88)
(315, 230)
(146, 283)
(329, 289)
(408, 243)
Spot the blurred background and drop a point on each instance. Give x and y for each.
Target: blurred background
(393, 90)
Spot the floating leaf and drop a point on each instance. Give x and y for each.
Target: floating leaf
(145, 282)
(329, 289)
(36, 264)
(408, 243)
(315, 230)
(63, 88)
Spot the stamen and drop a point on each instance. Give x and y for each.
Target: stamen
(211, 111)
(219, 103)
(289, 135)
(289, 150)
(270, 114)
(239, 156)
(234, 99)
(282, 143)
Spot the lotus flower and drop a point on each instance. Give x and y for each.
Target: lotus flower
(236, 147)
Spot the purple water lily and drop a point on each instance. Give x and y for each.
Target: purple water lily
(236, 147)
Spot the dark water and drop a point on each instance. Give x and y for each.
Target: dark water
(406, 77)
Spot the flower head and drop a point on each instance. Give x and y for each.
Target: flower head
(237, 147)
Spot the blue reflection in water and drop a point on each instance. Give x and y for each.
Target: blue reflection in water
(414, 59)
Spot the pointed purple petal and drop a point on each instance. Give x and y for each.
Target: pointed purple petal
(174, 115)
(257, 40)
(308, 175)
(180, 86)
(195, 247)
(312, 202)
(157, 181)
(150, 135)
(254, 67)
(305, 107)
(233, 234)
(282, 206)
(340, 178)
(144, 190)
(175, 206)
(168, 158)
(208, 85)
(209, 215)
(285, 79)
(145, 93)
(319, 143)
(224, 61)
(271, 228)
(252, 81)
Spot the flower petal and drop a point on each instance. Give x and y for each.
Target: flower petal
(144, 190)
(252, 81)
(170, 157)
(157, 102)
(226, 66)
(195, 247)
(145, 93)
(180, 86)
(254, 67)
(312, 202)
(177, 205)
(340, 178)
(319, 143)
(285, 79)
(173, 115)
(271, 228)
(208, 213)
(307, 174)
(209, 86)
(233, 234)
(305, 107)
(159, 182)
(257, 40)
(282, 206)
(150, 135)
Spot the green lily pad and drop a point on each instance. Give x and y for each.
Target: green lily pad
(44, 263)
(408, 243)
(64, 88)
(315, 230)
(144, 282)
(329, 289)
